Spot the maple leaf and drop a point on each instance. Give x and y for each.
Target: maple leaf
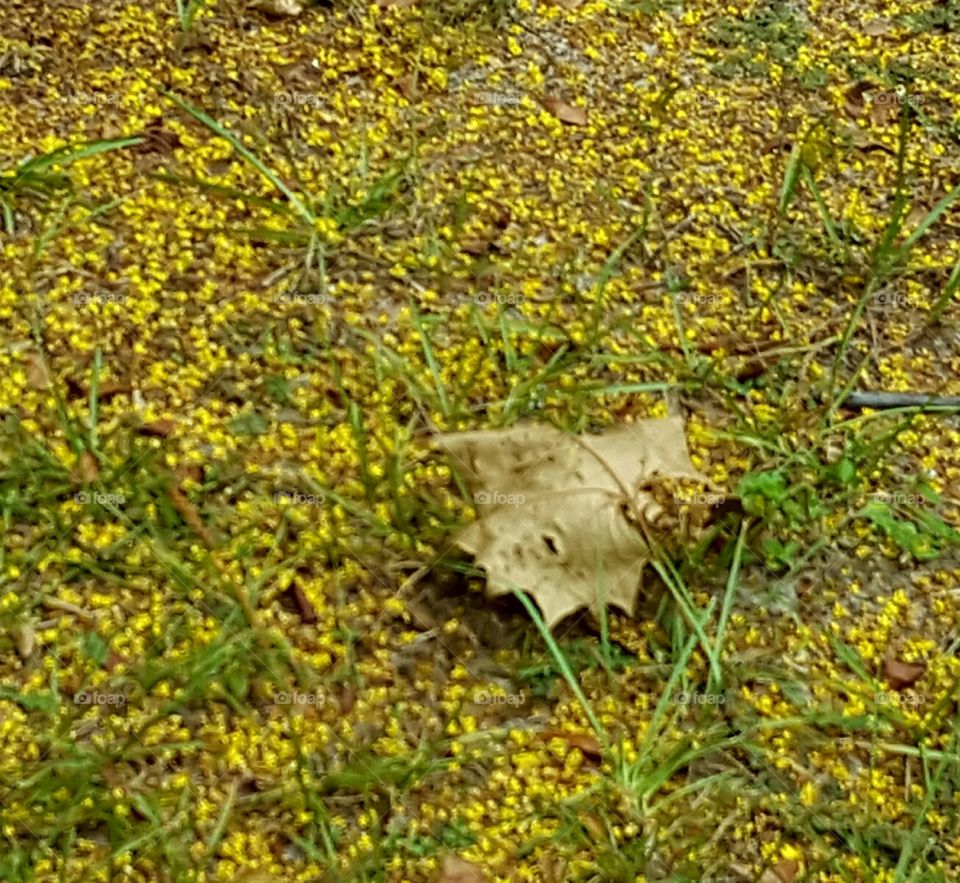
(567, 518)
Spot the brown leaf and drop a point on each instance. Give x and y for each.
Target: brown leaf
(38, 374)
(594, 827)
(783, 872)
(87, 467)
(878, 27)
(408, 87)
(113, 660)
(559, 514)
(348, 698)
(854, 97)
(308, 612)
(551, 869)
(475, 247)
(566, 113)
(279, 8)
(157, 138)
(108, 391)
(158, 429)
(26, 640)
(456, 870)
(901, 675)
(584, 741)
(190, 473)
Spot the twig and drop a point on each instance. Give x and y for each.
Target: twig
(884, 400)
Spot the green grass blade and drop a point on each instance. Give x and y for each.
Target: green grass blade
(562, 663)
(932, 217)
(295, 201)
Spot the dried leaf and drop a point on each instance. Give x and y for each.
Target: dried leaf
(408, 87)
(87, 467)
(584, 741)
(901, 675)
(566, 113)
(562, 516)
(38, 374)
(348, 698)
(878, 27)
(158, 429)
(456, 870)
(398, 4)
(308, 612)
(279, 8)
(25, 639)
(854, 97)
(783, 872)
(476, 247)
(114, 660)
(108, 391)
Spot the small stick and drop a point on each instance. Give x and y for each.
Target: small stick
(883, 400)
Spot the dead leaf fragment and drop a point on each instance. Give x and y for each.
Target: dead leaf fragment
(108, 391)
(87, 467)
(901, 675)
(878, 27)
(783, 872)
(25, 639)
(854, 97)
(38, 374)
(279, 8)
(566, 113)
(408, 87)
(456, 870)
(308, 613)
(561, 515)
(584, 741)
(158, 429)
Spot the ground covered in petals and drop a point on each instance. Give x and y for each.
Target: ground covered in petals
(257, 257)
